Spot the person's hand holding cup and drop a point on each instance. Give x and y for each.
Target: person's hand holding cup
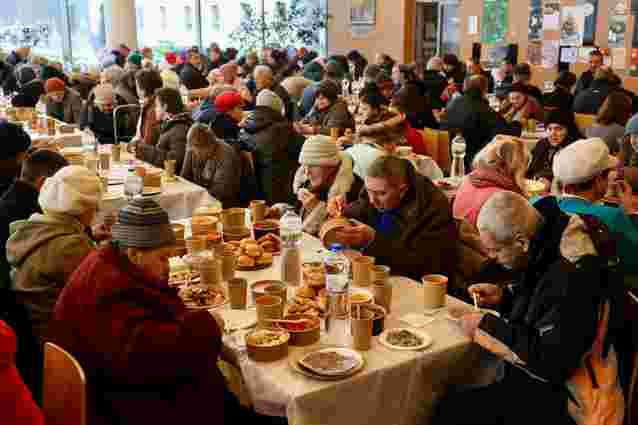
(487, 293)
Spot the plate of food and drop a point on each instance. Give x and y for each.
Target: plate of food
(405, 339)
(251, 256)
(333, 362)
(201, 297)
(361, 296)
(238, 319)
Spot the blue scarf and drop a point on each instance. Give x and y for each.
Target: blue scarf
(386, 222)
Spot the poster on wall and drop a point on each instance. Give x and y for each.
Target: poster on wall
(590, 9)
(494, 23)
(535, 54)
(572, 25)
(569, 54)
(363, 12)
(550, 53)
(617, 24)
(535, 31)
(496, 55)
(551, 16)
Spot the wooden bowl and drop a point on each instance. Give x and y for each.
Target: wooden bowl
(361, 297)
(269, 353)
(328, 231)
(302, 338)
(234, 217)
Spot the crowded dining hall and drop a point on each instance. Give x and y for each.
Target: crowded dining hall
(315, 212)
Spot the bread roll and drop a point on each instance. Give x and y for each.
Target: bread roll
(254, 251)
(247, 241)
(245, 261)
(269, 246)
(306, 292)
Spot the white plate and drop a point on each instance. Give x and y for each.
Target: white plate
(238, 319)
(354, 360)
(416, 320)
(427, 339)
(206, 307)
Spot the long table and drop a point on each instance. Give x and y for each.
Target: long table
(395, 387)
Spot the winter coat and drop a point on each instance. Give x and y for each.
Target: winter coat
(34, 252)
(71, 107)
(345, 183)
(584, 82)
(102, 125)
(16, 403)
(561, 99)
(435, 84)
(336, 116)
(425, 240)
(471, 115)
(289, 106)
(612, 134)
(220, 173)
(589, 101)
(18, 203)
(476, 189)
(192, 78)
(543, 158)
(148, 127)
(224, 126)
(550, 313)
(28, 95)
(277, 148)
(171, 143)
(147, 358)
(205, 112)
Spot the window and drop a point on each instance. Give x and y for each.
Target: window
(163, 18)
(188, 18)
(215, 19)
(450, 28)
(88, 34)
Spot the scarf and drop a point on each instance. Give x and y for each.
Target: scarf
(481, 178)
(386, 222)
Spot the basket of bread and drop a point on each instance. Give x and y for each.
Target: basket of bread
(251, 255)
(310, 298)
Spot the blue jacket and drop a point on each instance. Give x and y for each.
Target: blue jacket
(619, 224)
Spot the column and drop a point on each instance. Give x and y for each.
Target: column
(121, 23)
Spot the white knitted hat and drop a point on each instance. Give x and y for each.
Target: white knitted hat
(270, 99)
(320, 151)
(170, 79)
(72, 190)
(582, 160)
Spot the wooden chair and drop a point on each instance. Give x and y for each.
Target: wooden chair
(64, 388)
(437, 146)
(584, 121)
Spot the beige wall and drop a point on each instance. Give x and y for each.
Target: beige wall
(387, 37)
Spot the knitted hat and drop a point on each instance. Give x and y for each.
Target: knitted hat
(582, 160)
(271, 100)
(25, 74)
(135, 58)
(171, 57)
(54, 85)
(563, 118)
(227, 101)
(73, 190)
(143, 224)
(329, 89)
(320, 151)
(519, 88)
(632, 126)
(15, 139)
(170, 79)
(104, 93)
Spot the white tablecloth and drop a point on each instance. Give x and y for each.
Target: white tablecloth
(60, 140)
(395, 388)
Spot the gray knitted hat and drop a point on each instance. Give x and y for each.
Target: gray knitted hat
(143, 224)
(271, 100)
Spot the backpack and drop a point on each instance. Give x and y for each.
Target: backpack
(595, 392)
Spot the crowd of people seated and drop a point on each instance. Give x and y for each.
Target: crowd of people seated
(322, 135)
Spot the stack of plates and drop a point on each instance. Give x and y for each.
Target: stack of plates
(203, 225)
(327, 363)
(75, 155)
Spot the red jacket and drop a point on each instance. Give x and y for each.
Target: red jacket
(414, 139)
(16, 404)
(147, 358)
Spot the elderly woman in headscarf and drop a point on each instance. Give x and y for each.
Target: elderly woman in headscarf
(136, 340)
(212, 164)
(328, 112)
(45, 249)
(97, 114)
(499, 166)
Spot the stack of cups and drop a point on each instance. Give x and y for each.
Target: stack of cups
(180, 243)
(362, 271)
(361, 328)
(381, 287)
(269, 307)
(209, 272)
(258, 210)
(434, 290)
(238, 293)
(229, 263)
(195, 245)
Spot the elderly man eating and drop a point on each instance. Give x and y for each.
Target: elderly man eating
(406, 222)
(550, 313)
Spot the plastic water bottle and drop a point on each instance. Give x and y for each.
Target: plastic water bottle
(133, 183)
(290, 232)
(41, 108)
(89, 143)
(458, 160)
(183, 91)
(337, 269)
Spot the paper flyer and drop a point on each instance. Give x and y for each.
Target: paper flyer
(617, 24)
(590, 9)
(550, 54)
(569, 54)
(572, 25)
(535, 54)
(551, 16)
(535, 32)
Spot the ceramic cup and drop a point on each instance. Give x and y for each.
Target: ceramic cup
(434, 290)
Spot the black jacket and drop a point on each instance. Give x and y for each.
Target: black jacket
(18, 203)
(192, 77)
(590, 100)
(561, 99)
(29, 94)
(224, 126)
(277, 148)
(435, 84)
(584, 82)
(542, 159)
(472, 116)
(552, 308)
(171, 143)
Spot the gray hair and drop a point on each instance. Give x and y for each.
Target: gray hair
(390, 167)
(435, 64)
(507, 156)
(112, 74)
(262, 70)
(507, 215)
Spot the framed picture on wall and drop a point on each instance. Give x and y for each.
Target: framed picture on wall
(363, 12)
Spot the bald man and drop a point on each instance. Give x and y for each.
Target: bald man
(264, 79)
(549, 315)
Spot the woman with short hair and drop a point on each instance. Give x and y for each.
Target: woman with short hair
(611, 120)
(147, 83)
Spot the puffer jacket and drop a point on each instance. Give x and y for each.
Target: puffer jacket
(337, 116)
(276, 153)
(34, 253)
(28, 94)
(71, 107)
(219, 173)
(171, 143)
(192, 77)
